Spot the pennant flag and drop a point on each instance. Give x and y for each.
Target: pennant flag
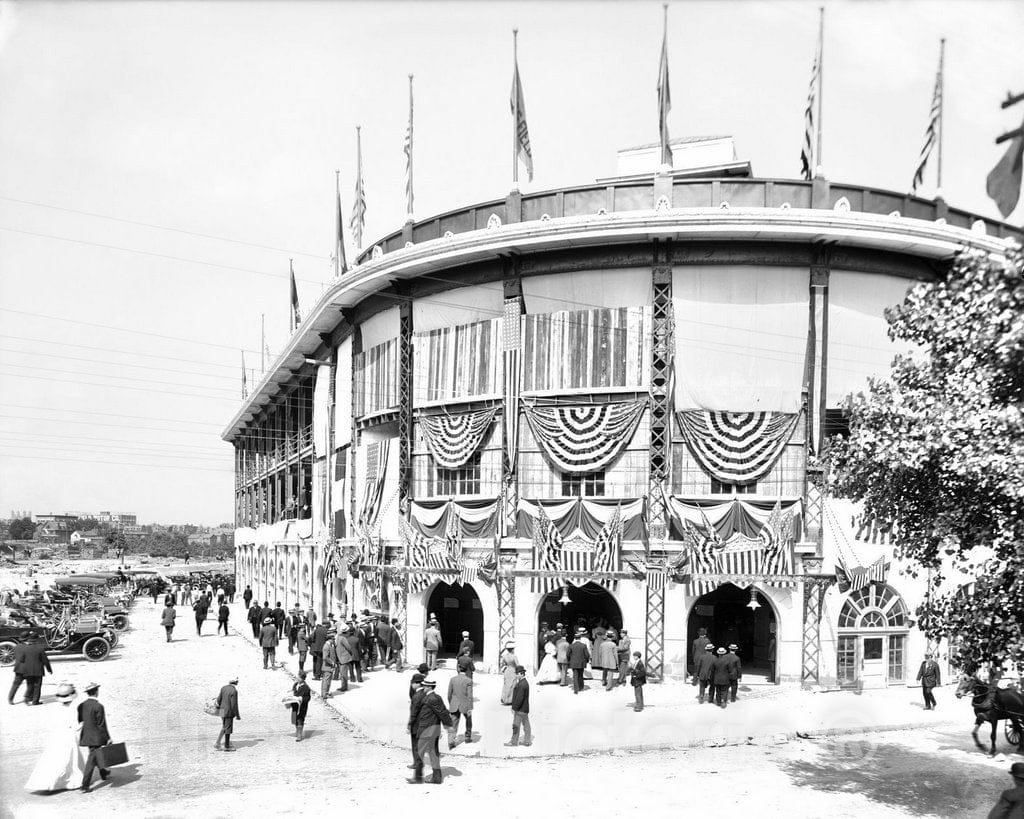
(812, 123)
(664, 97)
(245, 383)
(1003, 182)
(933, 131)
(547, 552)
(408, 157)
(358, 219)
(522, 150)
(296, 315)
(340, 262)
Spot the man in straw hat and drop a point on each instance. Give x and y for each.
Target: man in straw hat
(1011, 801)
(227, 705)
(94, 736)
(268, 641)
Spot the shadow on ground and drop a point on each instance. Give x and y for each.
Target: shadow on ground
(919, 782)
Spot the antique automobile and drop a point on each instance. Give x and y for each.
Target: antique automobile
(67, 634)
(87, 590)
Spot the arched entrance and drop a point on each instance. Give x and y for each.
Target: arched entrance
(727, 615)
(873, 629)
(458, 609)
(589, 606)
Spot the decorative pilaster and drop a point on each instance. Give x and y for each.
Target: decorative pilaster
(814, 601)
(505, 585)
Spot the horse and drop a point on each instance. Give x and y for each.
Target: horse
(1004, 703)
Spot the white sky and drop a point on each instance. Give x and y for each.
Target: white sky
(229, 119)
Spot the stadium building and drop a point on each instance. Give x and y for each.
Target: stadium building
(602, 402)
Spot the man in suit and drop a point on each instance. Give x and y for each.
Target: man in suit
(268, 642)
(430, 716)
(316, 648)
(330, 664)
(355, 648)
(384, 641)
(30, 664)
(460, 703)
(1011, 801)
(720, 674)
(930, 676)
(562, 658)
(623, 655)
(396, 644)
(734, 671)
(247, 596)
(200, 607)
(255, 619)
(94, 736)
(579, 656)
(222, 618)
(227, 705)
(467, 644)
(521, 709)
(697, 649)
(431, 643)
(464, 664)
(343, 658)
(702, 673)
(279, 617)
(638, 679)
(416, 694)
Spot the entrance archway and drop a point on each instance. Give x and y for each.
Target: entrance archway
(590, 605)
(728, 618)
(458, 609)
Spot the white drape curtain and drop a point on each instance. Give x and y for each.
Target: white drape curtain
(587, 290)
(464, 305)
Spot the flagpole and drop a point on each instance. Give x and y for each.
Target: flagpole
(409, 203)
(942, 106)
(666, 150)
(337, 254)
(515, 110)
(818, 171)
(263, 343)
(359, 177)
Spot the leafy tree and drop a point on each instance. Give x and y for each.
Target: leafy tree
(84, 524)
(937, 452)
(22, 529)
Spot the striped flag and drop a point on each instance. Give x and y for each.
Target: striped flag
(418, 548)
(933, 131)
(523, 152)
(453, 533)
(513, 360)
(468, 572)
(807, 151)
(606, 547)
(776, 536)
(878, 572)
(664, 97)
(408, 156)
(340, 262)
(358, 219)
(296, 315)
(656, 576)
(547, 552)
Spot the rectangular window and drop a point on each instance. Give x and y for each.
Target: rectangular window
(837, 422)
(846, 656)
(462, 481)
(589, 485)
(719, 488)
(897, 668)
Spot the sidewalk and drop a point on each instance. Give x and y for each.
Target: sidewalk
(598, 720)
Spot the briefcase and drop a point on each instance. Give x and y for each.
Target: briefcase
(114, 754)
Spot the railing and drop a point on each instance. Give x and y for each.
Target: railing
(628, 195)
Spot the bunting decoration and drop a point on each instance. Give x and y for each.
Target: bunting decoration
(454, 439)
(584, 438)
(468, 575)
(513, 360)
(736, 447)
(476, 518)
(331, 560)
(547, 553)
(608, 544)
(417, 547)
(656, 577)
(856, 578)
(584, 515)
(776, 537)
(376, 471)
(353, 554)
(488, 570)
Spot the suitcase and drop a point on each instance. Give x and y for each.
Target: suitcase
(114, 754)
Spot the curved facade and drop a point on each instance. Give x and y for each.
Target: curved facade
(599, 403)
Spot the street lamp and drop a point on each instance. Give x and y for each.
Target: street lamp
(753, 605)
(564, 599)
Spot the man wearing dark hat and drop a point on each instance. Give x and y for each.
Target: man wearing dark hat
(720, 673)
(579, 656)
(30, 664)
(201, 607)
(227, 707)
(734, 671)
(697, 650)
(930, 676)
(268, 642)
(464, 663)
(384, 631)
(703, 673)
(416, 694)
(316, 648)
(94, 735)
(1011, 801)
(255, 619)
(330, 664)
(521, 709)
(429, 718)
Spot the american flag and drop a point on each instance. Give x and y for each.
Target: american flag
(664, 97)
(807, 151)
(606, 547)
(418, 547)
(776, 538)
(358, 218)
(931, 133)
(656, 576)
(408, 156)
(453, 533)
(522, 135)
(296, 315)
(468, 571)
(340, 262)
(547, 552)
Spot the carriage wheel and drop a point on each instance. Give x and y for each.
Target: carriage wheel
(95, 649)
(1012, 733)
(119, 622)
(7, 653)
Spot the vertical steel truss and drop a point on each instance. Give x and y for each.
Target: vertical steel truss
(404, 406)
(506, 589)
(814, 598)
(661, 426)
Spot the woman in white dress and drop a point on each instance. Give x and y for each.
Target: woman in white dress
(548, 672)
(508, 662)
(62, 762)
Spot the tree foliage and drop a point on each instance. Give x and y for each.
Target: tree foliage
(22, 529)
(936, 451)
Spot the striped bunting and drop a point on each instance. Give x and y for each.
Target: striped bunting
(417, 548)
(376, 472)
(452, 363)
(547, 553)
(584, 437)
(931, 133)
(656, 576)
(776, 540)
(376, 379)
(511, 342)
(736, 447)
(454, 439)
(859, 576)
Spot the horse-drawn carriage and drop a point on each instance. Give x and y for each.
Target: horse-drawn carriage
(993, 704)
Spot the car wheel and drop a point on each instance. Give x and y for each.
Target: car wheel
(95, 649)
(7, 652)
(119, 622)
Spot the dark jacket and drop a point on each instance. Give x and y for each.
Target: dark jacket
(578, 655)
(278, 615)
(1010, 804)
(396, 640)
(254, 615)
(721, 670)
(266, 612)
(929, 674)
(465, 664)
(431, 712)
(200, 607)
(316, 643)
(301, 690)
(223, 613)
(355, 647)
(268, 636)
(247, 596)
(467, 643)
(704, 662)
(734, 666)
(227, 702)
(94, 723)
(415, 701)
(638, 675)
(384, 633)
(698, 649)
(521, 696)
(30, 659)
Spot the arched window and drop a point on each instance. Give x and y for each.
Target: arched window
(874, 606)
(873, 628)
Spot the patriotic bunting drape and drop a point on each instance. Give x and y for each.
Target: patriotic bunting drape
(476, 518)
(851, 580)
(513, 359)
(736, 447)
(376, 471)
(454, 439)
(431, 553)
(584, 437)
(547, 553)
(587, 517)
(728, 517)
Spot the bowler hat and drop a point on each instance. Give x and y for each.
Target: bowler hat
(1017, 770)
(417, 678)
